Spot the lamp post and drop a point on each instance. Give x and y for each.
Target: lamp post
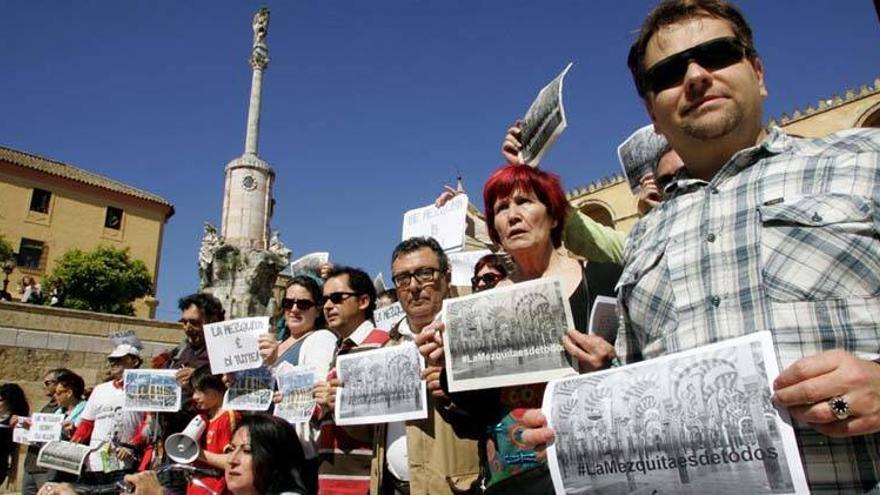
(8, 266)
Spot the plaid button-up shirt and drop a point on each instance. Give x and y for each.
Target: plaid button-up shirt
(785, 237)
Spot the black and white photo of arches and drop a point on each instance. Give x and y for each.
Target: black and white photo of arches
(381, 386)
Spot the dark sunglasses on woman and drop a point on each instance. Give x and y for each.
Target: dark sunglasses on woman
(712, 55)
(301, 304)
(488, 279)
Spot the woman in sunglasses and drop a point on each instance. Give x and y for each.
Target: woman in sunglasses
(488, 271)
(306, 342)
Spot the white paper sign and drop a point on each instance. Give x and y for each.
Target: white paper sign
(463, 263)
(151, 390)
(20, 434)
(45, 427)
(386, 317)
(309, 263)
(446, 225)
(295, 385)
(232, 345)
(700, 421)
(603, 318)
(63, 456)
(251, 391)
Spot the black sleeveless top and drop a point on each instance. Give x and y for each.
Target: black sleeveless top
(597, 279)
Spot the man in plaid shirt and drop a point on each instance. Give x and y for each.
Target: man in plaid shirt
(761, 231)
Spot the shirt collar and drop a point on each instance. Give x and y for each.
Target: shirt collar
(360, 333)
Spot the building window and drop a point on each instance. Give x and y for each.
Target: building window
(30, 253)
(113, 220)
(40, 201)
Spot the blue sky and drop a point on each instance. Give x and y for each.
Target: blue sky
(369, 107)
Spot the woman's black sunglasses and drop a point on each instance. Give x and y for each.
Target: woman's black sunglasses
(712, 55)
(302, 304)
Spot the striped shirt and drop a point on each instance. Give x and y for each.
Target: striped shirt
(784, 238)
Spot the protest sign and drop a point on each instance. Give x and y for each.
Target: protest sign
(20, 434)
(309, 263)
(462, 264)
(381, 386)
(603, 318)
(544, 121)
(251, 390)
(232, 345)
(63, 456)
(45, 427)
(638, 155)
(446, 224)
(700, 421)
(151, 390)
(386, 317)
(295, 385)
(509, 335)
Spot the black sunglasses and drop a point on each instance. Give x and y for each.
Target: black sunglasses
(302, 304)
(489, 280)
(712, 55)
(338, 297)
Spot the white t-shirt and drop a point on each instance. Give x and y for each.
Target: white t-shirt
(111, 424)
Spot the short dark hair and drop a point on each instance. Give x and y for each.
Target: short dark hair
(493, 261)
(310, 284)
(210, 306)
(416, 243)
(360, 282)
(389, 293)
(672, 11)
(71, 380)
(202, 379)
(277, 454)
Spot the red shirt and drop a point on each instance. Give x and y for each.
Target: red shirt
(217, 436)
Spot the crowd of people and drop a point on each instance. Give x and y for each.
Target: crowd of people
(744, 228)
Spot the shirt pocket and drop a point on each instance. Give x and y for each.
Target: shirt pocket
(819, 248)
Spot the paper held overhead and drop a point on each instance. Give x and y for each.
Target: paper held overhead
(544, 121)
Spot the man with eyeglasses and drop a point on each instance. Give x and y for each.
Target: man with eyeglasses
(761, 231)
(423, 456)
(346, 451)
(34, 476)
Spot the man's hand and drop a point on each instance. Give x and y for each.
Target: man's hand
(145, 483)
(183, 375)
(536, 434)
(447, 194)
(430, 343)
(806, 387)
(325, 394)
(511, 146)
(268, 346)
(591, 351)
(324, 270)
(431, 374)
(649, 194)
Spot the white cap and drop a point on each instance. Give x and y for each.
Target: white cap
(125, 350)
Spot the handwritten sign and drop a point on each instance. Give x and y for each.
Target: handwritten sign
(20, 434)
(46, 427)
(232, 345)
(446, 225)
(386, 317)
(462, 264)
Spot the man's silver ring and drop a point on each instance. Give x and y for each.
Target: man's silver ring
(839, 407)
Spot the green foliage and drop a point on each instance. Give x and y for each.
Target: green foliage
(6, 252)
(105, 280)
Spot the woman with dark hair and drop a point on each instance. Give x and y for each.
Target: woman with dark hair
(488, 271)
(306, 343)
(12, 403)
(69, 390)
(526, 212)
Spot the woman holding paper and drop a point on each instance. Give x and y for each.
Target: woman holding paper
(526, 212)
(12, 403)
(307, 343)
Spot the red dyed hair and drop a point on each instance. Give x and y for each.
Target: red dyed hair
(544, 185)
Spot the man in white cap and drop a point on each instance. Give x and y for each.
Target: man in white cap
(106, 427)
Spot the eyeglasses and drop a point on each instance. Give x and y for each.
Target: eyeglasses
(114, 360)
(49, 383)
(489, 279)
(338, 297)
(712, 55)
(301, 304)
(664, 180)
(191, 322)
(424, 275)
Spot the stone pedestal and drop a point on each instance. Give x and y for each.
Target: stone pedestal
(242, 279)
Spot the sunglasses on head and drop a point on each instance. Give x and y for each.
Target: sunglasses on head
(488, 279)
(338, 297)
(712, 55)
(301, 304)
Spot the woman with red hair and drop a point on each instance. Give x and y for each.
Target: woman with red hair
(526, 212)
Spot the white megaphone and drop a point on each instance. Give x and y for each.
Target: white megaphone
(183, 447)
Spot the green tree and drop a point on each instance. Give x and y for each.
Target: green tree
(6, 252)
(105, 280)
